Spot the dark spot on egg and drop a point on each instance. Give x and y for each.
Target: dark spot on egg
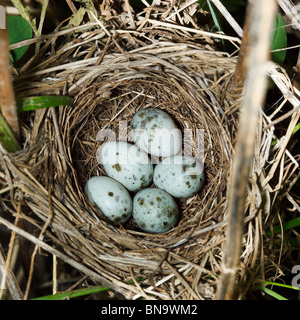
(141, 202)
(193, 177)
(158, 199)
(185, 167)
(117, 167)
(111, 194)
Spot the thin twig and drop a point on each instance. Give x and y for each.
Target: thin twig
(71, 6)
(101, 56)
(228, 17)
(192, 30)
(42, 18)
(8, 259)
(291, 11)
(128, 8)
(50, 36)
(107, 32)
(11, 281)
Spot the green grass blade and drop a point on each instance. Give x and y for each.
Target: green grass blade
(279, 40)
(74, 293)
(214, 16)
(285, 226)
(297, 127)
(81, 292)
(7, 138)
(272, 293)
(280, 285)
(34, 103)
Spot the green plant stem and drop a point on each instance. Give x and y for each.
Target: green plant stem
(7, 137)
(39, 102)
(285, 226)
(73, 294)
(279, 285)
(80, 292)
(272, 293)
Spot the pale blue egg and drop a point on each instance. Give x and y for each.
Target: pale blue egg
(180, 176)
(154, 210)
(127, 164)
(110, 198)
(155, 132)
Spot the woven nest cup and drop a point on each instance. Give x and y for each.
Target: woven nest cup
(189, 83)
(187, 80)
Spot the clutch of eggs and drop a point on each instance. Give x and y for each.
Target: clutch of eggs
(129, 169)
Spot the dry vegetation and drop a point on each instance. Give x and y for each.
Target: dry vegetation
(114, 67)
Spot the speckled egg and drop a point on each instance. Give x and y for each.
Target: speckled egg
(128, 164)
(110, 198)
(154, 210)
(155, 132)
(180, 176)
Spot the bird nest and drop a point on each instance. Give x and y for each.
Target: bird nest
(171, 70)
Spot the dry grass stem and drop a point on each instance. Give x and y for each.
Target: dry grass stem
(228, 17)
(256, 58)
